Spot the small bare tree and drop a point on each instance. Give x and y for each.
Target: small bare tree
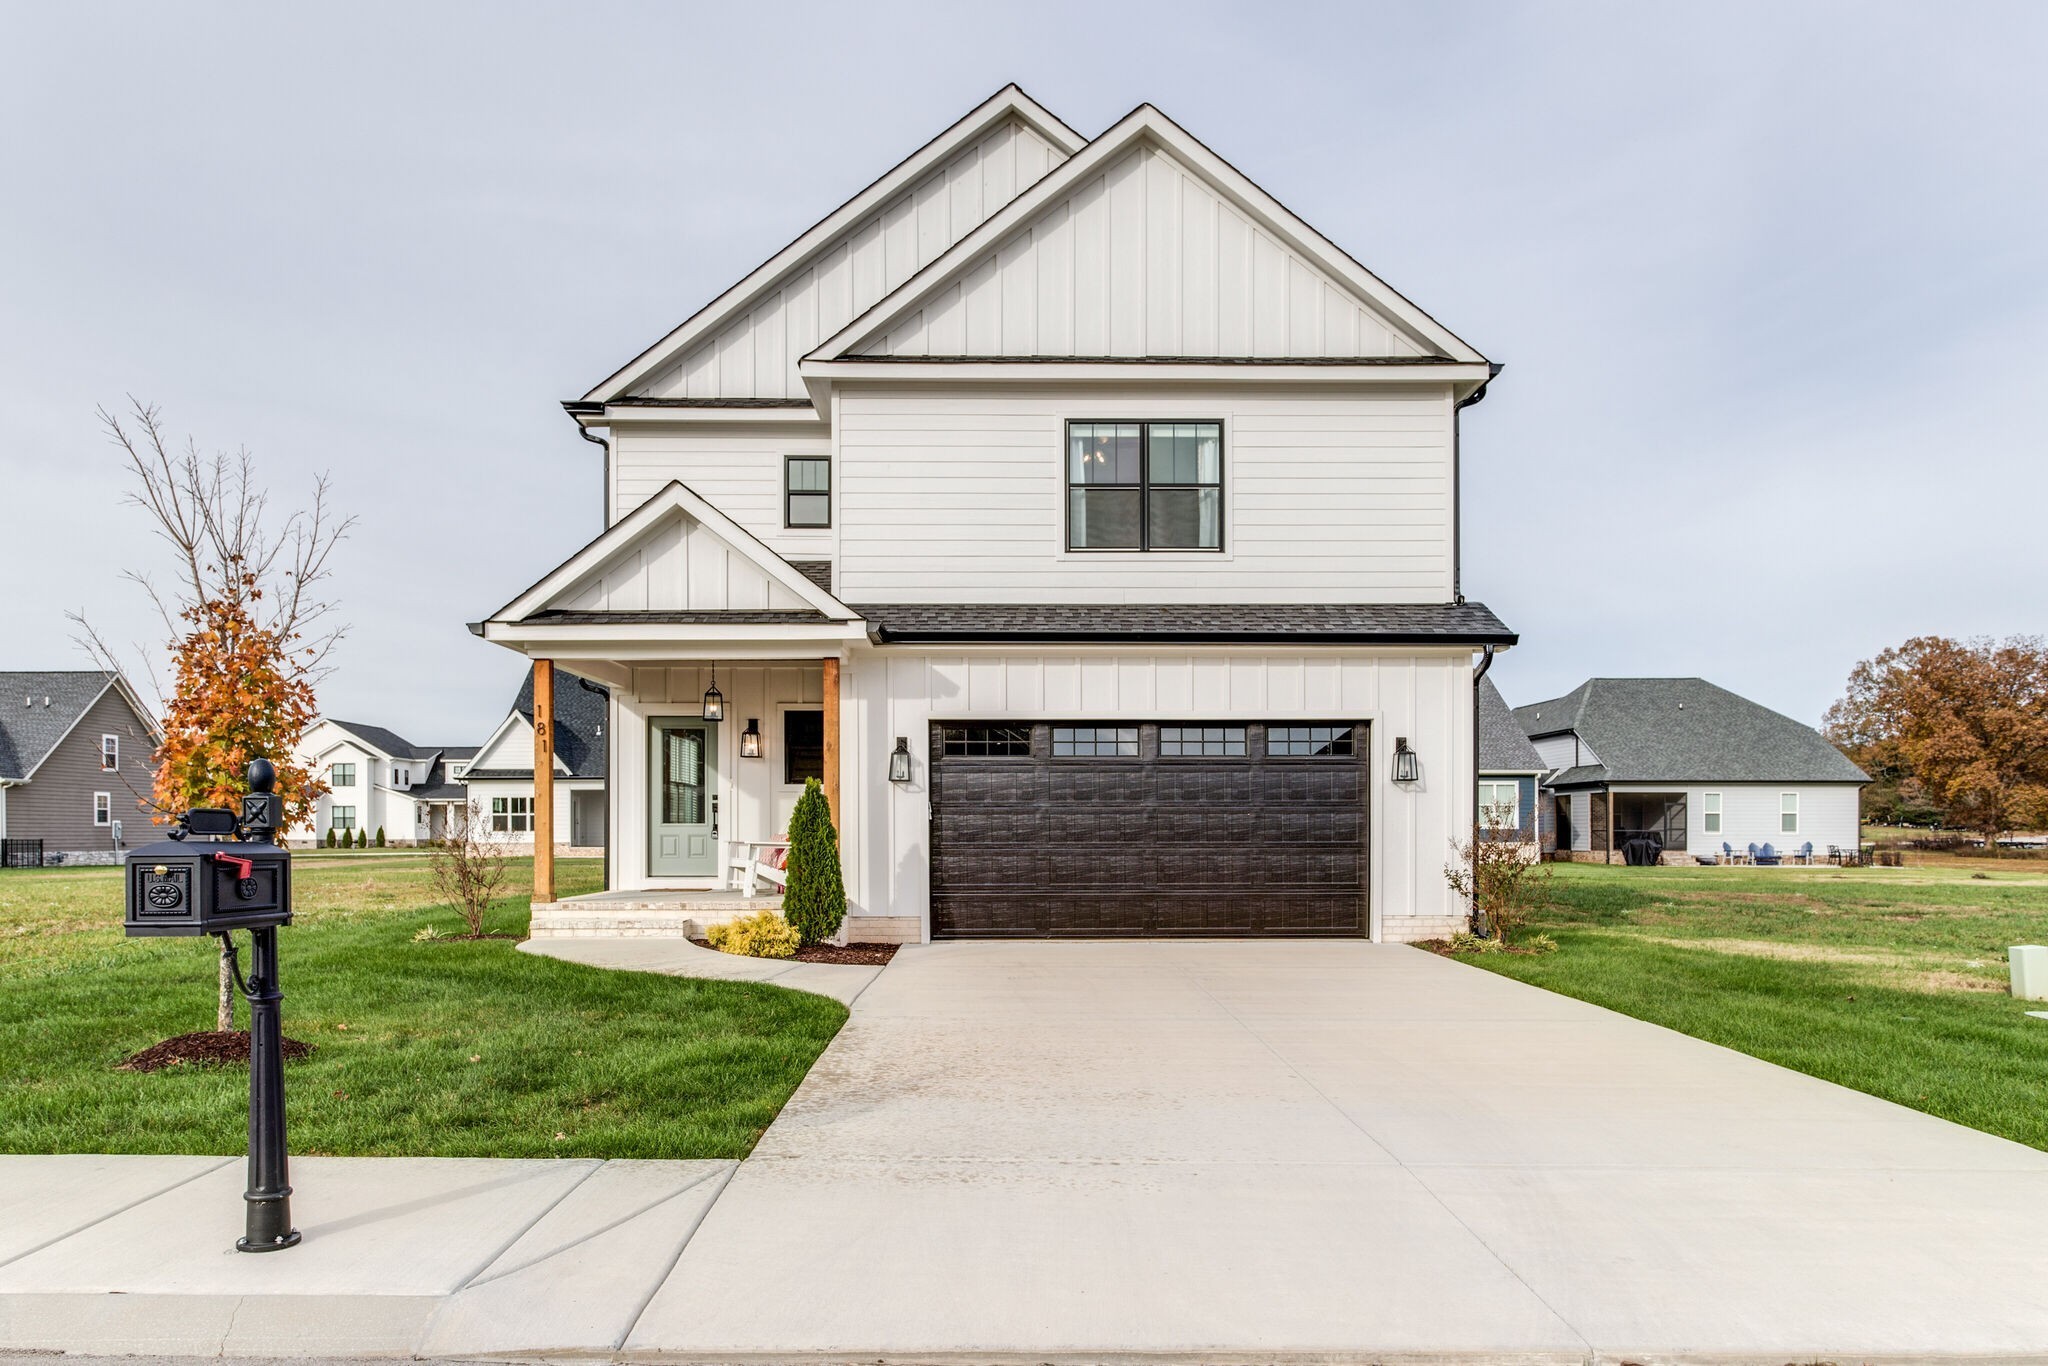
(1497, 876)
(468, 866)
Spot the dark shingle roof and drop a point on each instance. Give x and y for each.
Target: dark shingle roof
(679, 617)
(29, 732)
(389, 741)
(437, 786)
(1684, 730)
(1503, 748)
(817, 571)
(1352, 623)
(579, 725)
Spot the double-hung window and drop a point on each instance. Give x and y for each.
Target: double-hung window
(807, 491)
(110, 753)
(1788, 813)
(102, 808)
(1710, 812)
(1144, 486)
(341, 818)
(341, 775)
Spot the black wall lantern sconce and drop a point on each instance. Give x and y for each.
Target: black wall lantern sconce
(1407, 768)
(714, 700)
(899, 760)
(750, 739)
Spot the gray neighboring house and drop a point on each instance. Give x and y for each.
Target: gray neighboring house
(1510, 805)
(77, 765)
(1693, 767)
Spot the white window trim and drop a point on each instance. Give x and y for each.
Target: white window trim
(1793, 797)
(1513, 804)
(102, 808)
(517, 809)
(110, 742)
(1710, 813)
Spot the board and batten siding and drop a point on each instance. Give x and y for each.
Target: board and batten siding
(735, 467)
(958, 494)
(1425, 697)
(755, 356)
(1143, 259)
(678, 564)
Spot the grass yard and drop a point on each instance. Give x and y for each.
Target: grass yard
(435, 1049)
(1889, 980)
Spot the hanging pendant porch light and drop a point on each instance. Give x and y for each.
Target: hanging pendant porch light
(714, 700)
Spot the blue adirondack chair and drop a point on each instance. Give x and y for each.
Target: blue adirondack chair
(1767, 857)
(1727, 852)
(1806, 852)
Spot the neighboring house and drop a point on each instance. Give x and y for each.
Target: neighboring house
(500, 775)
(1085, 520)
(1510, 774)
(1692, 767)
(77, 765)
(378, 780)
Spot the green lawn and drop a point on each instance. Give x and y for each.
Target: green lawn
(443, 1049)
(1889, 980)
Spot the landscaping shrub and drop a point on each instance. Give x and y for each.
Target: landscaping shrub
(330, 837)
(380, 837)
(1501, 885)
(815, 900)
(362, 839)
(763, 934)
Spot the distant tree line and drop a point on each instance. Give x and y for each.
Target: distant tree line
(1952, 733)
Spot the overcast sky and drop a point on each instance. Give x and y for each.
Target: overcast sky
(1768, 281)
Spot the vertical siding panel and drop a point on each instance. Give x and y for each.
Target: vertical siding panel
(998, 171)
(1162, 258)
(800, 328)
(982, 305)
(1285, 686)
(1174, 682)
(864, 259)
(899, 243)
(1090, 265)
(985, 692)
(1136, 691)
(1198, 271)
(1053, 240)
(1024, 684)
(1098, 688)
(736, 359)
(1247, 685)
(1321, 684)
(932, 234)
(1269, 297)
(946, 324)
(1016, 267)
(1127, 236)
(963, 193)
(769, 359)
(1304, 310)
(1233, 284)
(1211, 678)
(1063, 686)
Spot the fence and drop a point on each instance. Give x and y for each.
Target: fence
(21, 853)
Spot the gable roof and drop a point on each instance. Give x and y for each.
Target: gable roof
(644, 521)
(1683, 730)
(1503, 748)
(1147, 127)
(1470, 623)
(38, 708)
(384, 741)
(1007, 106)
(580, 707)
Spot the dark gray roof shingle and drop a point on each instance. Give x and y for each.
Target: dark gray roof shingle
(1503, 748)
(29, 729)
(580, 707)
(1684, 730)
(1352, 623)
(377, 737)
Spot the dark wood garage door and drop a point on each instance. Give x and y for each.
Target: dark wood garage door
(1221, 829)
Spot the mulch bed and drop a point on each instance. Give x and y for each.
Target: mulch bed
(207, 1048)
(861, 955)
(1442, 947)
(465, 938)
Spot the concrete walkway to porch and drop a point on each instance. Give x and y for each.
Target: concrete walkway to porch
(681, 958)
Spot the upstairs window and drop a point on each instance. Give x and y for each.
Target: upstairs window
(341, 775)
(1144, 486)
(806, 491)
(110, 753)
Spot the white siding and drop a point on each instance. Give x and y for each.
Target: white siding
(737, 468)
(958, 494)
(1426, 698)
(1829, 813)
(678, 564)
(1565, 751)
(755, 356)
(1144, 259)
(511, 749)
(480, 795)
(753, 801)
(1582, 820)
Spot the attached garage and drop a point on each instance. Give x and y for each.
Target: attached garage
(1149, 829)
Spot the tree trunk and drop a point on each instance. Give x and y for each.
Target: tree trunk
(224, 1013)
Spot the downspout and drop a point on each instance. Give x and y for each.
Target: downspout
(1457, 496)
(605, 522)
(1478, 676)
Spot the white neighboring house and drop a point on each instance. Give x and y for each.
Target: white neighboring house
(377, 779)
(1084, 519)
(499, 777)
(1692, 768)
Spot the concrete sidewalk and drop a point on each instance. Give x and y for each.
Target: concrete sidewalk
(843, 982)
(402, 1256)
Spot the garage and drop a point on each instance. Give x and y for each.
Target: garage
(1149, 829)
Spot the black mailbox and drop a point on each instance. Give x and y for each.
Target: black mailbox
(207, 885)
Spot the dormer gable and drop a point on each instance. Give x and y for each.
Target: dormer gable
(745, 344)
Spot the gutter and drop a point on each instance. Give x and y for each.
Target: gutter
(1457, 495)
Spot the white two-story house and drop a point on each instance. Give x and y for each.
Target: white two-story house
(1083, 519)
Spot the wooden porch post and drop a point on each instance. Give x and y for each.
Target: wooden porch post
(543, 780)
(830, 782)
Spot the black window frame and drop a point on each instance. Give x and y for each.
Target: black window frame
(1235, 733)
(335, 781)
(958, 740)
(1095, 741)
(790, 750)
(1145, 485)
(1349, 738)
(789, 492)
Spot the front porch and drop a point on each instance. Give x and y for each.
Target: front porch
(667, 914)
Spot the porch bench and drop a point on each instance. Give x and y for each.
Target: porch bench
(753, 862)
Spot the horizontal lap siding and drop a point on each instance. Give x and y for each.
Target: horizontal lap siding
(959, 495)
(55, 806)
(736, 468)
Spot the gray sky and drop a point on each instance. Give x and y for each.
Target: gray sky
(1769, 282)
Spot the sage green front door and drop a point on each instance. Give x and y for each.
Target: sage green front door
(683, 806)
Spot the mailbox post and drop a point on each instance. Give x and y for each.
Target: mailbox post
(217, 873)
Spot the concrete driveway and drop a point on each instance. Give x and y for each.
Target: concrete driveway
(1063, 1150)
